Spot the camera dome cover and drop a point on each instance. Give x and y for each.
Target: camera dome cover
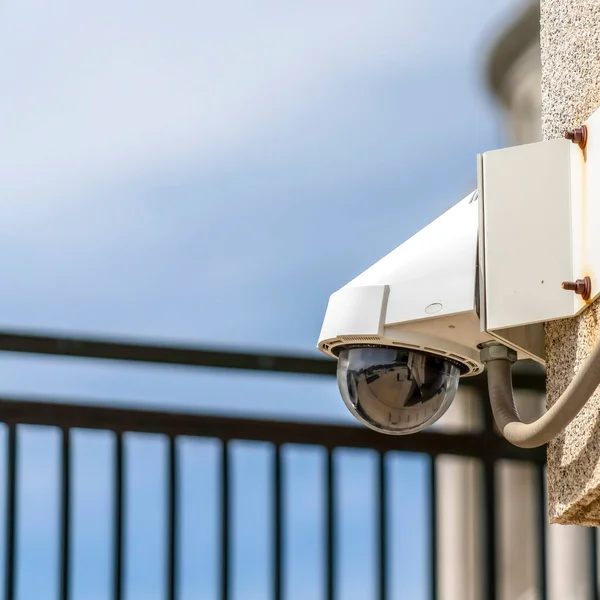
(395, 390)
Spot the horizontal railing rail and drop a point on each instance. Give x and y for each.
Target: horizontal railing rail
(526, 377)
(68, 415)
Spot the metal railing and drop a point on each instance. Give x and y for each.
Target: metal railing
(485, 446)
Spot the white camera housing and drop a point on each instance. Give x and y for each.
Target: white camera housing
(489, 270)
(423, 295)
(408, 327)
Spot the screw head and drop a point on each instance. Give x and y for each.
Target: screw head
(578, 136)
(583, 287)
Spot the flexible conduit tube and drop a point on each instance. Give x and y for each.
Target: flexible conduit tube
(563, 411)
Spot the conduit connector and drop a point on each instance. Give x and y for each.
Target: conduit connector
(495, 351)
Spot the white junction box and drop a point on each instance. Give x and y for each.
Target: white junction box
(539, 226)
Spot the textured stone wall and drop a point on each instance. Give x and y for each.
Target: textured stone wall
(570, 50)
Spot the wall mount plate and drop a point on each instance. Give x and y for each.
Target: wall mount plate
(539, 226)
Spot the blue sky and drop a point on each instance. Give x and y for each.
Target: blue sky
(209, 173)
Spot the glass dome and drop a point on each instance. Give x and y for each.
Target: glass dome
(395, 390)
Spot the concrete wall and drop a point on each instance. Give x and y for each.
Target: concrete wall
(515, 74)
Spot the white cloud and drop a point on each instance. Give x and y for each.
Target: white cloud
(112, 87)
(96, 87)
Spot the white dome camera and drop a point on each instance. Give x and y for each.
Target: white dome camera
(406, 329)
(473, 290)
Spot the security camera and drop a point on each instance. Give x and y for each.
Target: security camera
(406, 329)
(472, 291)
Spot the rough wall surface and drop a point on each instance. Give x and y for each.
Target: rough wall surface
(570, 46)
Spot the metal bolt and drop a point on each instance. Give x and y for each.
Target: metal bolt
(579, 136)
(583, 287)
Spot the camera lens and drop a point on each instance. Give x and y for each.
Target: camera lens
(396, 391)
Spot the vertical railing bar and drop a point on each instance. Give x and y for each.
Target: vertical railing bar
(486, 413)
(541, 534)
(593, 563)
(277, 525)
(330, 526)
(11, 513)
(65, 518)
(382, 521)
(489, 484)
(118, 575)
(225, 499)
(433, 530)
(172, 520)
